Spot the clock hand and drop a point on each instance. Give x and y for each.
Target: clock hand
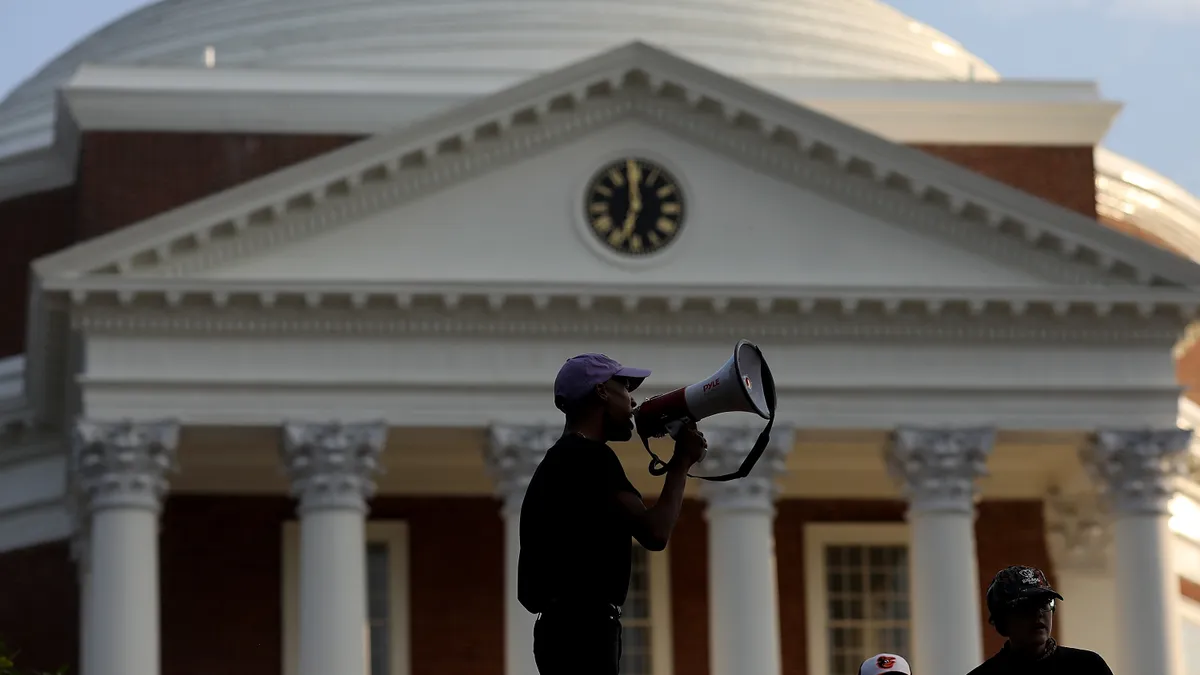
(626, 228)
(634, 174)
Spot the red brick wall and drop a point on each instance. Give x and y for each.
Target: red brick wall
(125, 177)
(30, 227)
(1190, 589)
(1064, 175)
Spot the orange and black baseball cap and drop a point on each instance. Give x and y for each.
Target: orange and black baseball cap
(881, 664)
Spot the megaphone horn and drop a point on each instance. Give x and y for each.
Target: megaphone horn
(743, 384)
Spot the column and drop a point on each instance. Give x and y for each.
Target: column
(1134, 470)
(1079, 538)
(937, 471)
(512, 455)
(742, 587)
(331, 466)
(81, 527)
(120, 469)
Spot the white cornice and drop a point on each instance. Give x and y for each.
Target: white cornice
(187, 99)
(794, 143)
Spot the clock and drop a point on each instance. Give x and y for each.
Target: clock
(634, 207)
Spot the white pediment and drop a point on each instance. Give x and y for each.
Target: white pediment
(524, 222)
(491, 192)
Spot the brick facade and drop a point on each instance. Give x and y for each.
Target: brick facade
(1063, 175)
(123, 178)
(221, 561)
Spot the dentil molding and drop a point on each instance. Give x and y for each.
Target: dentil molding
(937, 468)
(332, 464)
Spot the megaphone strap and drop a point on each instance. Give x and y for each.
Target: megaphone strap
(658, 467)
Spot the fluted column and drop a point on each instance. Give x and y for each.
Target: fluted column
(1079, 538)
(120, 469)
(937, 470)
(332, 468)
(743, 595)
(1134, 470)
(512, 454)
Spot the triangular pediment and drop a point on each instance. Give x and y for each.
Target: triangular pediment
(489, 193)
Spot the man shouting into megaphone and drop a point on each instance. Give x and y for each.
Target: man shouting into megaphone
(580, 515)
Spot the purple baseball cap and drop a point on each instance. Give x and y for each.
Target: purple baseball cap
(580, 375)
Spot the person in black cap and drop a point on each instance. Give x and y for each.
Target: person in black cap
(581, 514)
(1021, 604)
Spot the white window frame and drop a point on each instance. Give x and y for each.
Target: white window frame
(816, 537)
(394, 534)
(662, 643)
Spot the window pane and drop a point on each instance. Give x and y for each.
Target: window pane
(867, 608)
(378, 594)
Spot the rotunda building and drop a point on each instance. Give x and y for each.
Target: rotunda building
(286, 276)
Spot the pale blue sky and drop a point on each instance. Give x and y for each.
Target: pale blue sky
(1145, 53)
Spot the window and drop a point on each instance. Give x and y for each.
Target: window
(857, 585)
(646, 616)
(385, 632)
(1190, 613)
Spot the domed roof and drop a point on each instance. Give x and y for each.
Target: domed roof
(508, 39)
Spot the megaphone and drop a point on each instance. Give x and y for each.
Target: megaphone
(743, 384)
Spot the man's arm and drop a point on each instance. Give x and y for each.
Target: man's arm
(652, 527)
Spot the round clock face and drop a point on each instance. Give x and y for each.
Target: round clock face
(634, 207)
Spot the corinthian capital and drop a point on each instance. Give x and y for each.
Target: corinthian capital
(331, 464)
(937, 468)
(727, 449)
(122, 464)
(1078, 531)
(1135, 468)
(512, 454)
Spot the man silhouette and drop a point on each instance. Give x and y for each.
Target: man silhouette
(581, 514)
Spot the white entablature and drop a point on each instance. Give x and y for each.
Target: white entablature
(889, 286)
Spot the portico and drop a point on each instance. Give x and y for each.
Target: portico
(385, 322)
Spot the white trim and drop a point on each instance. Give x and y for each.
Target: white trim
(662, 636)
(106, 97)
(816, 537)
(395, 534)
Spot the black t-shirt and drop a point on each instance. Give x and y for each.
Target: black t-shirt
(1061, 661)
(576, 545)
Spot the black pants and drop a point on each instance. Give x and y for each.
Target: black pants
(577, 642)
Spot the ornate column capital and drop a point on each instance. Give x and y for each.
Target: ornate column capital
(1078, 531)
(937, 468)
(727, 449)
(1135, 468)
(332, 464)
(122, 464)
(512, 454)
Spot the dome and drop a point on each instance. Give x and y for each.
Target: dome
(1128, 192)
(506, 39)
